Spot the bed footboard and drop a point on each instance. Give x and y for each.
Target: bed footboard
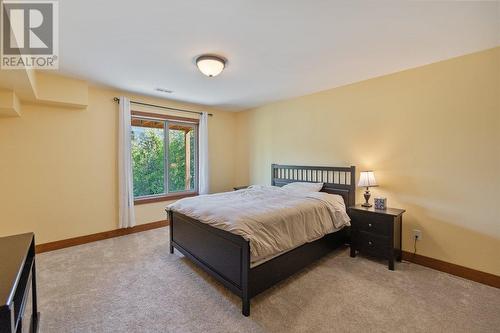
(223, 255)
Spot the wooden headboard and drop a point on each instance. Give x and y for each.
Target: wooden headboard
(337, 180)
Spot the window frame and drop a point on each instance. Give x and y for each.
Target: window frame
(169, 120)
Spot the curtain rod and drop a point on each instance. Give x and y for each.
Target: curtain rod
(116, 99)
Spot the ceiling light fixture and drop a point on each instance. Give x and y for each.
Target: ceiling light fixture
(210, 65)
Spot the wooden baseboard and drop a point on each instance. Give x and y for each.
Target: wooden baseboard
(98, 236)
(461, 271)
(443, 266)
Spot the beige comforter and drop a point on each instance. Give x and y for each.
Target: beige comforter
(272, 219)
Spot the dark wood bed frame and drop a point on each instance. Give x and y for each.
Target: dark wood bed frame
(226, 256)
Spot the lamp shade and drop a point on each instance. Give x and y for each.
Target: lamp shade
(210, 65)
(367, 179)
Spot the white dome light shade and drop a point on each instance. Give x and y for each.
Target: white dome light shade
(210, 65)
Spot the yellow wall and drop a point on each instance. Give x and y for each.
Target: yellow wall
(58, 166)
(431, 134)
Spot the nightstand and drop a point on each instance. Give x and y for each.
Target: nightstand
(376, 232)
(236, 188)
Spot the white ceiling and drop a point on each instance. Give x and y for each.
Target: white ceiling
(276, 49)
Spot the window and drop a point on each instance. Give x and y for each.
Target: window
(164, 157)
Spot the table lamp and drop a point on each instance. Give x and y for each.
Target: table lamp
(367, 179)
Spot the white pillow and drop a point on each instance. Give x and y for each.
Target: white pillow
(302, 187)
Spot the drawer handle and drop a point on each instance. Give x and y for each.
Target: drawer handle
(370, 225)
(370, 243)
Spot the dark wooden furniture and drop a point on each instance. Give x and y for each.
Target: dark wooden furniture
(17, 276)
(226, 256)
(236, 188)
(376, 232)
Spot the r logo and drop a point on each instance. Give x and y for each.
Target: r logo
(27, 28)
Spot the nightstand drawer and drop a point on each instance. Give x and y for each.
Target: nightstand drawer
(373, 244)
(371, 223)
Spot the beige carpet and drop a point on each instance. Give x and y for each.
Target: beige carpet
(132, 284)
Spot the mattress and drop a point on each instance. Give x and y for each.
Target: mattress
(272, 219)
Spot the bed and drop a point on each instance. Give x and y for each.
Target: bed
(228, 256)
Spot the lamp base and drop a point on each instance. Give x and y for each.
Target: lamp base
(367, 205)
(367, 197)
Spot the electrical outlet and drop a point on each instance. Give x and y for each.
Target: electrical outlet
(416, 234)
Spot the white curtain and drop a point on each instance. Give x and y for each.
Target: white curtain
(125, 181)
(203, 181)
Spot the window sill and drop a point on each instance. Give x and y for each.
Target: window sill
(166, 197)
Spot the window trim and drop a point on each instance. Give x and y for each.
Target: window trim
(163, 197)
(167, 120)
(159, 116)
